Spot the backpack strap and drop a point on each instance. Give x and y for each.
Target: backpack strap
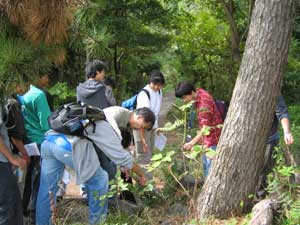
(147, 93)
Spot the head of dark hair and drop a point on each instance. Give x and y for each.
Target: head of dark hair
(94, 66)
(109, 82)
(147, 114)
(184, 88)
(156, 77)
(126, 137)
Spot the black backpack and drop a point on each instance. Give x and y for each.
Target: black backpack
(73, 118)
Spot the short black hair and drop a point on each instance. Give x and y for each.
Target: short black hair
(156, 77)
(109, 81)
(126, 137)
(147, 114)
(184, 88)
(91, 68)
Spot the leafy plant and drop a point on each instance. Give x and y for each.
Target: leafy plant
(63, 93)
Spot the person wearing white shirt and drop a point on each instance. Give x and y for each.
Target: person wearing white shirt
(144, 139)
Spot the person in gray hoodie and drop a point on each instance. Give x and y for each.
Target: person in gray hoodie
(92, 91)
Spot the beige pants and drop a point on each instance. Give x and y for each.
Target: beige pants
(142, 157)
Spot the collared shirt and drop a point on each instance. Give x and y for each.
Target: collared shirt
(208, 115)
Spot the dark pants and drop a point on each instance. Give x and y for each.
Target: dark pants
(32, 183)
(267, 168)
(10, 199)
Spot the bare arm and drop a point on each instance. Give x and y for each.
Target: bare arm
(197, 139)
(288, 138)
(138, 171)
(145, 146)
(14, 160)
(20, 145)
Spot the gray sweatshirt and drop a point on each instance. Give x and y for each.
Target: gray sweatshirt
(92, 92)
(85, 158)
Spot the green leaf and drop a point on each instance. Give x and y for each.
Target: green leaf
(210, 153)
(156, 157)
(192, 155)
(198, 148)
(205, 131)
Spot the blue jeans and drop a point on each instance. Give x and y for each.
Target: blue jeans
(53, 160)
(207, 162)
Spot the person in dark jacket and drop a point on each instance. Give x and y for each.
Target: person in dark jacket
(92, 91)
(281, 115)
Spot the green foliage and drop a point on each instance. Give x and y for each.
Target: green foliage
(291, 79)
(159, 158)
(126, 34)
(288, 192)
(19, 60)
(202, 48)
(62, 94)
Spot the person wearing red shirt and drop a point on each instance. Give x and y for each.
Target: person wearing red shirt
(208, 116)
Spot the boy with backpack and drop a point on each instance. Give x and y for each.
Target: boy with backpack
(79, 132)
(208, 116)
(150, 97)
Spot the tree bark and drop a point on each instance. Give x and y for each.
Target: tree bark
(241, 147)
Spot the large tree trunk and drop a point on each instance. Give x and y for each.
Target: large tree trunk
(234, 173)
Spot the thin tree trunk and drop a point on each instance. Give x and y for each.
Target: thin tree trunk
(235, 39)
(234, 173)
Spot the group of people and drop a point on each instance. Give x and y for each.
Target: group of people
(108, 139)
(94, 158)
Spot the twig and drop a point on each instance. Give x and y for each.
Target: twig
(67, 217)
(52, 208)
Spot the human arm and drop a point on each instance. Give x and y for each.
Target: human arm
(20, 146)
(106, 139)
(14, 160)
(143, 139)
(284, 117)
(138, 171)
(288, 137)
(197, 139)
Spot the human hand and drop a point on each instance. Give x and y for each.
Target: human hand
(288, 138)
(127, 176)
(124, 170)
(143, 180)
(19, 162)
(158, 131)
(188, 145)
(26, 158)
